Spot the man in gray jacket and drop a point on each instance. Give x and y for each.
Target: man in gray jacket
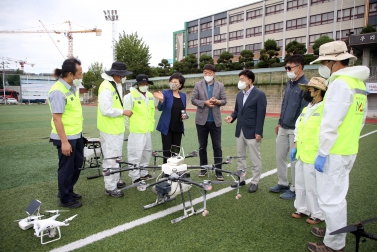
(208, 96)
(291, 107)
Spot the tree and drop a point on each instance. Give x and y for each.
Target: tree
(269, 54)
(97, 69)
(93, 76)
(190, 64)
(205, 59)
(246, 59)
(134, 53)
(322, 40)
(367, 29)
(178, 67)
(295, 47)
(225, 61)
(163, 68)
(14, 80)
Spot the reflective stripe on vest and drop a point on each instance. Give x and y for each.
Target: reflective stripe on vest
(106, 124)
(72, 118)
(307, 135)
(347, 142)
(142, 119)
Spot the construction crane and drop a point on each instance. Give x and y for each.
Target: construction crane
(67, 33)
(21, 62)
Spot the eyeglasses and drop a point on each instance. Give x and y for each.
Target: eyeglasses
(290, 68)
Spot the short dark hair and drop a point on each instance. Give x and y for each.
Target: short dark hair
(345, 62)
(297, 59)
(69, 66)
(248, 73)
(179, 77)
(209, 67)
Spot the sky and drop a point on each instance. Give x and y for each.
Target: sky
(153, 20)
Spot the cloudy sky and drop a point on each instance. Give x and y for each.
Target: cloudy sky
(153, 20)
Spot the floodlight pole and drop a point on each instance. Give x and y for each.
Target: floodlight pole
(3, 63)
(112, 16)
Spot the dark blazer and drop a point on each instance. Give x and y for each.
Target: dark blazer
(250, 115)
(200, 95)
(165, 107)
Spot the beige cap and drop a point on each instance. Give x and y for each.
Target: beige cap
(335, 50)
(316, 82)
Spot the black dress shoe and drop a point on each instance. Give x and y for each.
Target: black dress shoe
(71, 204)
(234, 184)
(75, 196)
(253, 188)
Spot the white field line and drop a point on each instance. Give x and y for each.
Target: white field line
(121, 228)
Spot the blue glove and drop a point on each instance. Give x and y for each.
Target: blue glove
(319, 163)
(292, 154)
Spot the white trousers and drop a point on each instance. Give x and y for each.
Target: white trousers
(332, 187)
(284, 143)
(256, 161)
(139, 150)
(111, 147)
(306, 190)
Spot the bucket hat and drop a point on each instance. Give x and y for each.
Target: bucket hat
(335, 50)
(142, 78)
(316, 82)
(118, 68)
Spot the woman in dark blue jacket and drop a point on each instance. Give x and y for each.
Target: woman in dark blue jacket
(171, 103)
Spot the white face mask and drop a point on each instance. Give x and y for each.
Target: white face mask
(77, 82)
(324, 71)
(241, 85)
(124, 79)
(143, 89)
(291, 75)
(208, 78)
(174, 86)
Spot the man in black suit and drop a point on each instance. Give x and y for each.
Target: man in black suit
(250, 110)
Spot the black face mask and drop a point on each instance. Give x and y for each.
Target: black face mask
(307, 96)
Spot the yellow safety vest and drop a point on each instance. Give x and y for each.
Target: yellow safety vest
(307, 137)
(106, 124)
(347, 142)
(142, 119)
(72, 118)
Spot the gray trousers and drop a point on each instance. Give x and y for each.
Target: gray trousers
(284, 143)
(256, 161)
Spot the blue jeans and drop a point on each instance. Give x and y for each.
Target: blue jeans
(215, 132)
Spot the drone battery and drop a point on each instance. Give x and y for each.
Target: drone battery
(163, 188)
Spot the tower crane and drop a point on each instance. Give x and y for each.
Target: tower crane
(68, 33)
(21, 62)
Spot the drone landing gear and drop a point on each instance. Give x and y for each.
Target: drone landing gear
(161, 199)
(51, 232)
(92, 155)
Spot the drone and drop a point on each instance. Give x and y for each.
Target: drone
(174, 180)
(358, 230)
(43, 227)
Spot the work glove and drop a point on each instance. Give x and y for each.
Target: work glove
(319, 163)
(292, 154)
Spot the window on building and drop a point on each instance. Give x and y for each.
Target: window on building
(219, 38)
(235, 35)
(206, 52)
(255, 48)
(347, 32)
(298, 39)
(373, 9)
(296, 4)
(218, 52)
(236, 50)
(206, 26)
(313, 38)
(253, 32)
(274, 9)
(279, 43)
(206, 41)
(193, 29)
(220, 22)
(351, 13)
(192, 43)
(296, 24)
(321, 19)
(236, 18)
(274, 28)
(254, 14)
(314, 2)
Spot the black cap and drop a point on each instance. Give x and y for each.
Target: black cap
(118, 68)
(209, 67)
(142, 78)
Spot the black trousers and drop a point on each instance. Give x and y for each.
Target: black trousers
(69, 168)
(172, 138)
(215, 132)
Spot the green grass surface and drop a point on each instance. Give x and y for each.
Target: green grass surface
(256, 222)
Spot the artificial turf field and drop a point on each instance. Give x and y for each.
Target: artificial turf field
(256, 222)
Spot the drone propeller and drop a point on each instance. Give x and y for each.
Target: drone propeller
(221, 182)
(192, 154)
(352, 228)
(56, 211)
(70, 218)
